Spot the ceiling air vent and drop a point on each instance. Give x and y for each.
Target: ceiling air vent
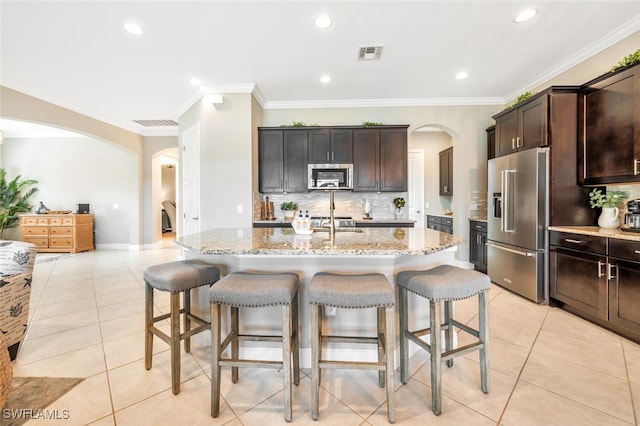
(370, 53)
(156, 123)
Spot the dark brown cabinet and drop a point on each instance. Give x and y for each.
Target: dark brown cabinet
(440, 223)
(330, 146)
(380, 159)
(478, 245)
(491, 142)
(610, 129)
(282, 161)
(446, 171)
(597, 278)
(523, 127)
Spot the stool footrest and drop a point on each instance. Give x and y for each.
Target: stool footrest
(466, 328)
(195, 330)
(226, 362)
(463, 350)
(161, 334)
(258, 338)
(356, 365)
(350, 339)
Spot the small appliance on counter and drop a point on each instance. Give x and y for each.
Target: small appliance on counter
(267, 211)
(632, 218)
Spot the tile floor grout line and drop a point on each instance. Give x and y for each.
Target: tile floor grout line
(626, 367)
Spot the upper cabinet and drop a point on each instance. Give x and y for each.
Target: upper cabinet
(282, 161)
(491, 142)
(609, 137)
(330, 146)
(529, 123)
(380, 159)
(446, 171)
(379, 156)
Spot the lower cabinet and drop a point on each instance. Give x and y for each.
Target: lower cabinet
(439, 223)
(58, 232)
(478, 245)
(597, 278)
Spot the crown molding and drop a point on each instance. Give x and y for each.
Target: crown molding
(359, 103)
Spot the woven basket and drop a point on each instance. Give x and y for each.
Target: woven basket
(6, 372)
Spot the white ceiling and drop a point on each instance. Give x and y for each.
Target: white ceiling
(77, 55)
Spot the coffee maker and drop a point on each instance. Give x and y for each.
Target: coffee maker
(632, 218)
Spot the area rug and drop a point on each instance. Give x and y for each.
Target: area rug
(30, 396)
(50, 257)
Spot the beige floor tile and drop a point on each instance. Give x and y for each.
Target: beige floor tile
(81, 303)
(110, 298)
(131, 383)
(192, 406)
(531, 405)
(123, 326)
(69, 321)
(105, 421)
(516, 308)
(567, 324)
(635, 392)
(584, 385)
(83, 362)
(54, 297)
(413, 407)
(254, 386)
(129, 348)
(60, 343)
(632, 358)
(503, 356)
(87, 402)
(122, 309)
(583, 353)
(509, 330)
(462, 384)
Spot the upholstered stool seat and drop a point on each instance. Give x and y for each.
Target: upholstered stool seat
(444, 284)
(178, 277)
(353, 292)
(255, 290)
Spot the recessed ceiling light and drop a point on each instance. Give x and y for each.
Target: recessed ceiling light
(322, 22)
(462, 75)
(525, 15)
(133, 28)
(195, 81)
(325, 79)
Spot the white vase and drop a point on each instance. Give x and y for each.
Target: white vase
(609, 218)
(398, 213)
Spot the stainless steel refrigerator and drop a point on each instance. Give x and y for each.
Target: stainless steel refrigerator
(517, 222)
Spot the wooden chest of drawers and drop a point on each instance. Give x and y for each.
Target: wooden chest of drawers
(58, 232)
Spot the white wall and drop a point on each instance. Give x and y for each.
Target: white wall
(432, 143)
(80, 170)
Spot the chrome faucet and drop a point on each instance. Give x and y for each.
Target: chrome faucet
(332, 223)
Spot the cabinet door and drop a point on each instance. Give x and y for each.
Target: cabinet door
(366, 160)
(271, 161)
(624, 295)
(295, 161)
(319, 146)
(342, 146)
(491, 142)
(446, 172)
(532, 122)
(506, 133)
(393, 160)
(477, 245)
(579, 279)
(610, 129)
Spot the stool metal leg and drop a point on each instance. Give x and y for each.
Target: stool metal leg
(448, 341)
(286, 359)
(175, 343)
(316, 342)
(215, 359)
(436, 356)
(187, 321)
(381, 330)
(404, 341)
(389, 339)
(295, 335)
(148, 323)
(483, 331)
(235, 345)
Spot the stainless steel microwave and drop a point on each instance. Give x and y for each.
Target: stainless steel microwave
(330, 176)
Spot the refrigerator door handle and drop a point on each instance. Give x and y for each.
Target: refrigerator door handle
(522, 253)
(506, 223)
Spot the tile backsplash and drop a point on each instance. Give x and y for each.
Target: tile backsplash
(347, 203)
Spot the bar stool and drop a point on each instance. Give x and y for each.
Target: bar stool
(254, 290)
(175, 277)
(353, 292)
(444, 283)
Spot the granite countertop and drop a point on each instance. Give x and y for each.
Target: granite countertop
(357, 220)
(598, 232)
(284, 241)
(478, 218)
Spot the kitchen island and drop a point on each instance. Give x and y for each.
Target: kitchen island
(383, 250)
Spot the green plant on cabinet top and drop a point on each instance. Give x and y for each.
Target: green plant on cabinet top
(13, 200)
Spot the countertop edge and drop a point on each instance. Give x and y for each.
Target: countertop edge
(596, 231)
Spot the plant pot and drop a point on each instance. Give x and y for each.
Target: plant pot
(609, 218)
(398, 213)
(289, 214)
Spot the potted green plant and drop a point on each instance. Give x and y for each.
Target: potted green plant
(399, 203)
(289, 208)
(609, 202)
(13, 199)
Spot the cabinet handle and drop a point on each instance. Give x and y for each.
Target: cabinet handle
(518, 142)
(513, 143)
(635, 166)
(569, 240)
(637, 251)
(610, 268)
(600, 265)
(327, 155)
(332, 155)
